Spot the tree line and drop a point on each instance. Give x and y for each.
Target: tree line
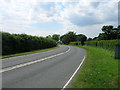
(55, 37)
(16, 43)
(73, 37)
(68, 37)
(108, 39)
(108, 33)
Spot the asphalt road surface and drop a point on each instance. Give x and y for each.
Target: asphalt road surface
(50, 69)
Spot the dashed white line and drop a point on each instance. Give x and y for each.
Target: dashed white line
(73, 74)
(32, 62)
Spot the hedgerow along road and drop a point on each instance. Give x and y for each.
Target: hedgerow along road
(50, 69)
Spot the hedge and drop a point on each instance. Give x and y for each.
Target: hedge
(16, 43)
(106, 44)
(75, 43)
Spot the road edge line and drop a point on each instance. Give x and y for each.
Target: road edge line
(73, 74)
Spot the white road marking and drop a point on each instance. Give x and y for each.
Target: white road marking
(31, 54)
(32, 62)
(73, 74)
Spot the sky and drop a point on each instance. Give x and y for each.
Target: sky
(48, 17)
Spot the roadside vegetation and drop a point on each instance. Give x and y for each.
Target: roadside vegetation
(17, 43)
(105, 44)
(100, 70)
(73, 37)
(108, 33)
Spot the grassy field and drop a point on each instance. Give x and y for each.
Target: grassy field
(25, 53)
(100, 70)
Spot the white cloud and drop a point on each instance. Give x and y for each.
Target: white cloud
(83, 13)
(18, 15)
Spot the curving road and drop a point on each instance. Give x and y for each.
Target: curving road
(50, 69)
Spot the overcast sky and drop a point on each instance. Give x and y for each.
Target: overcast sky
(35, 17)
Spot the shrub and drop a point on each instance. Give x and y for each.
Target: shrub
(16, 43)
(75, 43)
(106, 44)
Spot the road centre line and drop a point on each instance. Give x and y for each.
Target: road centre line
(32, 62)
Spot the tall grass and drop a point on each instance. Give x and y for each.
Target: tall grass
(105, 44)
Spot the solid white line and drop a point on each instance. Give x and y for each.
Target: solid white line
(73, 74)
(32, 62)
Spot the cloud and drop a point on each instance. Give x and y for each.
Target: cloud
(83, 14)
(83, 20)
(20, 15)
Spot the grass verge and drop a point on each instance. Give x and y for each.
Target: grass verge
(31, 52)
(100, 70)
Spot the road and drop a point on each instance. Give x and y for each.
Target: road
(52, 69)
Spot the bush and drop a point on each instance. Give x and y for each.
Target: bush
(75, 43)
(16, 43)
(106, 44)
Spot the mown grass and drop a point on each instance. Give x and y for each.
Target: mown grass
(100, 70)
(31, 52)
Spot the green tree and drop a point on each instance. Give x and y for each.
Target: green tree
(82, 38)
(69, 37)
(49, 36)
(89, 39)
(56, 37)
(108, 31)
(116, 32)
